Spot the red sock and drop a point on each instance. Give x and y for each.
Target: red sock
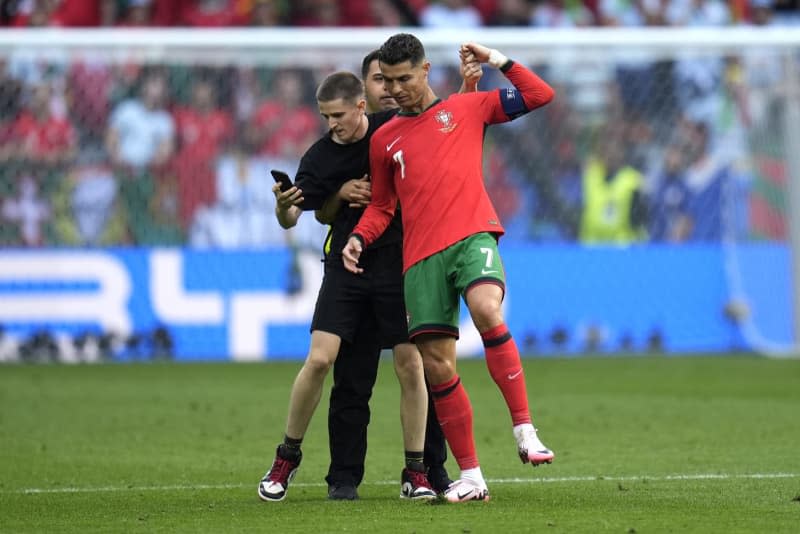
(454, 412)
(502, 359)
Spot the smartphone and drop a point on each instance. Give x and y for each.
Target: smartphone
(282, 178)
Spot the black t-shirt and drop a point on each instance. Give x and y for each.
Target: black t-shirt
(326, 166)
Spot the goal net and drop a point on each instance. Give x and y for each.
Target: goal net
(115, 140)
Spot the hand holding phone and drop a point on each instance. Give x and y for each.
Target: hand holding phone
(283, 179)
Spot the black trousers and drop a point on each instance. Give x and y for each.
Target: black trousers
(354, 375)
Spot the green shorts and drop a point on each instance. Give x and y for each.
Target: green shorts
(435, 285)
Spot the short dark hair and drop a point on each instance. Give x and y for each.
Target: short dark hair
(367, 61)
(402, 47)
(342, 84)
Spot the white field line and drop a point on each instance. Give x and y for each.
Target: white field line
(547, 480)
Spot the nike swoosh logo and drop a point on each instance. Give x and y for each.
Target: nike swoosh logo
(390, 145)
(462, 495)
(484, 271)
(515, 375)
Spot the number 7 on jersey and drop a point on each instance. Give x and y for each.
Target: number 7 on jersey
(398, 157)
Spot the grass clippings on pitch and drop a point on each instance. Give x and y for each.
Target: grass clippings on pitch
(643, 444)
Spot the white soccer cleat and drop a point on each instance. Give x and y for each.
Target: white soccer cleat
(465, 490)
(530, 448)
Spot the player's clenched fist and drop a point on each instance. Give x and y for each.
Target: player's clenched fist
(483, 54)
(471, 71)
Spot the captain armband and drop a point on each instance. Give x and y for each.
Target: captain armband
(512, 102)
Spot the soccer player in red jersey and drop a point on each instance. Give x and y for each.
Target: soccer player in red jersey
(429, 157)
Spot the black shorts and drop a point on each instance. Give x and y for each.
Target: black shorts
(346, 300)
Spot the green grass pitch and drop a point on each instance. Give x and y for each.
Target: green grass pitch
(643, 444)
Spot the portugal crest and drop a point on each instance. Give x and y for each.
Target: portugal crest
(445, 118)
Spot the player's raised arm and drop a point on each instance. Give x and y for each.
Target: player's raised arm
(534, 91)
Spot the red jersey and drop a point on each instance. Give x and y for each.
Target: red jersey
(90, 84)
(78, 13)
(432, 163)
(234, 14)
(201, 138)
(291, 131)
(44, 138)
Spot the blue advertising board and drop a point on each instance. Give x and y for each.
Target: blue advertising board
(254, 305)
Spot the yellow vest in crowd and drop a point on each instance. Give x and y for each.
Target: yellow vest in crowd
(607, 205)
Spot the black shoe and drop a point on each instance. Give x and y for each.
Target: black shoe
(438, 478)
(342, 493)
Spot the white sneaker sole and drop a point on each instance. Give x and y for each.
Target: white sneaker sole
(472, 494)
(536, 458)
(267, 498)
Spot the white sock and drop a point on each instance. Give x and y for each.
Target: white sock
(474, 475)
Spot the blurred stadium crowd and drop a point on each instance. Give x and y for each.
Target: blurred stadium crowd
(461, 13)
(97, 153)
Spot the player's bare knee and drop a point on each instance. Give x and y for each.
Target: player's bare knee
(408, 369)
(438, 370)
(486, 314)
(318, 362)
